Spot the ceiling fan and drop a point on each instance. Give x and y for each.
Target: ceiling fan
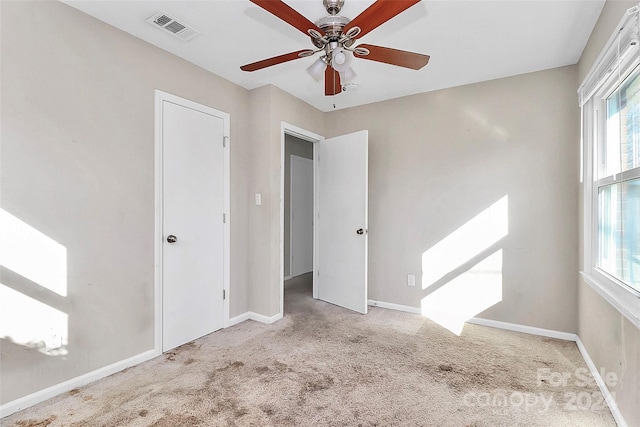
(335, 36)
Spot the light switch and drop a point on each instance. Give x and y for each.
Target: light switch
(258, 199)
(411, 280)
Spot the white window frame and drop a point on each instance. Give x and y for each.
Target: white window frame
(617, 61)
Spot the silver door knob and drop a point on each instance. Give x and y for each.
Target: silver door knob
(359, 231)
(171, 238)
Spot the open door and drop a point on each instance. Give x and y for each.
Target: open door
(342, 220)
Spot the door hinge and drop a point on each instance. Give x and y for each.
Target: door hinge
(224, 218)
(225, 141)
(224, 294)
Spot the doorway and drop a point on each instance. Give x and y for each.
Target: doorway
(298, 216)
(298, 202)
(192, 226)
(340, 218)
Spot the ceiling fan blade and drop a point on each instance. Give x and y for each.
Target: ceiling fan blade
(332, 85)
(287, 14)
(377, 14)
(273, 61)
(401, 58)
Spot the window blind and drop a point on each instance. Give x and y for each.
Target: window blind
(621, 50)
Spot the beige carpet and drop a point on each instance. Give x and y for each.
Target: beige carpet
(323, 365)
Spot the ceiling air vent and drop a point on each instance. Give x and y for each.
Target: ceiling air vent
(170, 24)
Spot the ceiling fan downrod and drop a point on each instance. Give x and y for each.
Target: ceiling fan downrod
(333, 7)
(333, 36)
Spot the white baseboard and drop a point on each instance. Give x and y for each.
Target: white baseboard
(391, 306)
(613, 406)
(550, 333)
(264, 319)
(239, 319)
(250, 315)
(47, 393)
(484, 322)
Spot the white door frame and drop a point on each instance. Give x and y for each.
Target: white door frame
(160, 97)
(289, 129)
(298, 159)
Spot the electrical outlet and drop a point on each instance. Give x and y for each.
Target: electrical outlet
(411, 280)
(258, 199)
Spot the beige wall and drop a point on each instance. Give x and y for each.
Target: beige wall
(436, 160)
(270, 107)
(611, 340)
(613, 343)
(78, 165)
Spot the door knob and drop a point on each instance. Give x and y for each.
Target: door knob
(360, 231)
(171, 238)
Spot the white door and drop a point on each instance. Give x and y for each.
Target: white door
(301, 230)
(192, 223)
(341, 239)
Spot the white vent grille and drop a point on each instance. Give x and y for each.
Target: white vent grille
(174, 27)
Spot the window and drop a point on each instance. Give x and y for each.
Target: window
(610, 101)
(617, 185)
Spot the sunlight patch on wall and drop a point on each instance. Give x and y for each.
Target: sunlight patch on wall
(467, 295)
(467, 242)
(32, 254)
(28, 322)
(483, 121)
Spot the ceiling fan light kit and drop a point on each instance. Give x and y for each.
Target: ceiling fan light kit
(316, 70)
(335, 35)
(348, 76)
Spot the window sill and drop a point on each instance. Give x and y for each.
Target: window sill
(623, 300)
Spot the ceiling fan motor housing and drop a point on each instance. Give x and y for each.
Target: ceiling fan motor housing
(332, 26)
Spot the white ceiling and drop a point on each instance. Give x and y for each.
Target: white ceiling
(468, 41)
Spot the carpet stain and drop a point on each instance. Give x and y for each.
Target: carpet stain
(74, 391)
(268, 410)
(143, 413)
(544, 362)
(318, 384)
(189, 361)
(236, 365)
(262, 369)
(175, 420)
(188, 347)
(358, 339)
(229, 407)
(365, 374)
(37, 423)
(282, 367)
